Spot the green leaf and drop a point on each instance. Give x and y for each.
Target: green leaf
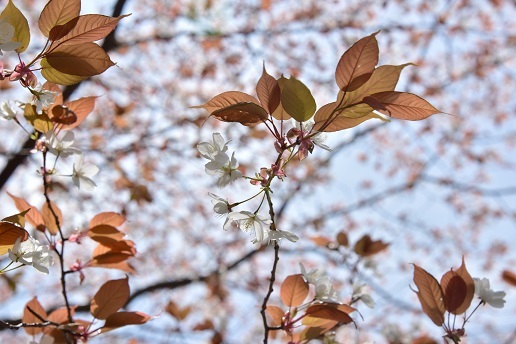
(13, 16)
(297, 100)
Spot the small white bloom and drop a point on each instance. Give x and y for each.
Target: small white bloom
(487, 295)
(210, 150)
(43, 98)
(62, 145)
(31, 252)
(220, 205)
(323, 285)
(247, 221)
(6, 35)
(82, 174)
(318, 139)
(225, 168)
(7, 110)
(279, 234)
(359, 293)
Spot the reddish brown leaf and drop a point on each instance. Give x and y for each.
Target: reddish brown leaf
(327, 312)
(53, 75)
(313, 332)
(424, 340)
(59, 31)
(366, 247)
(105, 231)
(30, 318)
(276, 315)
(8, 235)
(321, 241)
(459, 289)
(343, 118)
(207, 324)
(342, 239)
(121, 265)
(176, 311)
(107, 218)
(58, 12)
(86, 59)
(226, 99)
(49, 218)
(120, 319)
(248, 114)
(268, 92)
(90, 28)
(111, 296)
(509, 277)
(294, 290)
(357, 64)
(430, 295)
(401, 105)
(384, 78)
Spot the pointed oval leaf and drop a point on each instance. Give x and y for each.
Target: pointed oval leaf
(90, 28)
(106, 231)
(120, 319)
(121, 265)
(454, 289)
(384, 78)
(17, 219)
(30, 318)
(111, 296)
(294, 290)
(81, 108)
(53, 75)
(276, 315)
(59, 31)
(13, 16)
(461, 292)
(58, 12)
(357, 64)
(107, 218)
(268, 91)
(225, 99)
(366, 246)
(297, 100)
(509, 277)
(403, 105)
(280, 113)
(343, 118)
(59, 316)
(33, 216)
(50, 220)
(8, 235)
(247, 114)
(86, 59)
(329, 312)
(430, 295)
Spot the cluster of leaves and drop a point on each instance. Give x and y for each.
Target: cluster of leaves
(318, 317)
(365, 90)
(68, 57)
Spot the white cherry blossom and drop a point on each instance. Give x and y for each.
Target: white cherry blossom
(82, 173)
(61, 145)
(31, 252)
(487, 295)
(210, 150)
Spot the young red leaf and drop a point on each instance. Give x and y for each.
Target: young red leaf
(58, 12)
(226, 99)
(111, 296)
(280, 113)
(297, 100)
(357, 64)
(343, 118)
(276, 315)
(13, 16)
(120, 319)
(106, 231)
(107, 218)
(248, 114)
(90, 28)
(30, 318)
(81, 108)
(342, 239)
(17, 219)
(327, 312)
(86, 59)
(366, 247)
(294, 290)
(53, 75)
(59, 31)
(384, 78)
(459, 289)
(321, 240)
(180, 313)
(430, 295)
(120, 265)
(401, 105)
(49, 218)
(509, 277)
(268, 91)
(8, 235)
